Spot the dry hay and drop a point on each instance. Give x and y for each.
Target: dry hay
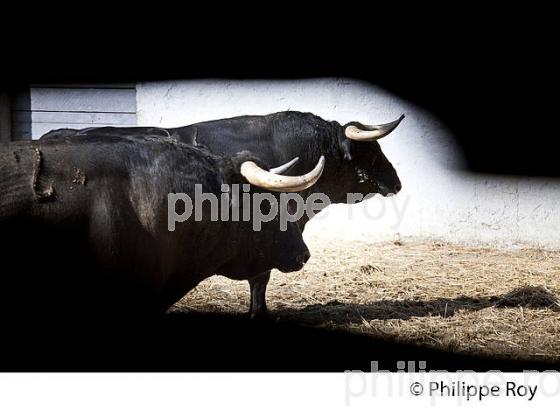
(462, 299)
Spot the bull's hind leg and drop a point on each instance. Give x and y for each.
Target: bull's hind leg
(258, 285)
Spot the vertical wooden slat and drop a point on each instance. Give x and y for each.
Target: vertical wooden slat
(5, 117)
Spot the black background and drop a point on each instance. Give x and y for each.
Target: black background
(489, 76)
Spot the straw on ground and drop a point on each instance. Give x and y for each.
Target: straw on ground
(456, 298)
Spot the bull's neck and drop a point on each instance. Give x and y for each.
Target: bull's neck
(334, 197)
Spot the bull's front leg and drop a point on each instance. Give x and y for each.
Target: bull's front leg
(258, 284)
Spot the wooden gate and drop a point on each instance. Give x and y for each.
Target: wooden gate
(43, 108)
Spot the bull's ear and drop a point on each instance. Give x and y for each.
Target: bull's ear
(243, 156)
(345, 148)
(233, 165)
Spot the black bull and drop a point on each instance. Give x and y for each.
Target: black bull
(352, 166)
(85, 232)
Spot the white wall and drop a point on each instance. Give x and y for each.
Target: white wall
(437, 201)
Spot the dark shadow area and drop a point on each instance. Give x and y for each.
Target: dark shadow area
(221, 342)
(528, 297)
(488, 92)
(493, 88)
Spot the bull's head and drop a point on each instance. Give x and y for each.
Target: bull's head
(260, 250)
(365, 168)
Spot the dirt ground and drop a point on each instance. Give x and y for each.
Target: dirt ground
(461, 299)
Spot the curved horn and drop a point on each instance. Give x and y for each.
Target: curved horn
(371, 132)
(283, 168)
(281, 183)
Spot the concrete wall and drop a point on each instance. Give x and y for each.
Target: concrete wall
(437, 201)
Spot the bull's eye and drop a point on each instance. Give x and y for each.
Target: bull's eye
(363, 176)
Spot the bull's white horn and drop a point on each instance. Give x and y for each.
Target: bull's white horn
(283, 168)
(281, 183)
(371, 132)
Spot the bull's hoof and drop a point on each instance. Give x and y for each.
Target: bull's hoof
(259, 315)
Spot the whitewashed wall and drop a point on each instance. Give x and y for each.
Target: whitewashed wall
(437, 201)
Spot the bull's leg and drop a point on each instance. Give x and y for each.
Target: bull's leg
(258, 284)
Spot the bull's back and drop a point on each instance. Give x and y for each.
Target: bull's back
(227, 137)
